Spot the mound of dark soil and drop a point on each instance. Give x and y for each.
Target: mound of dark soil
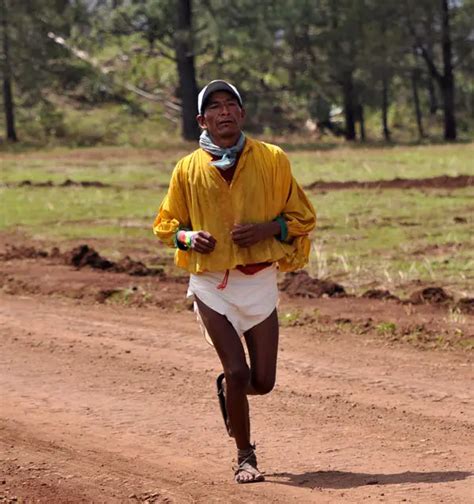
(466, 305)
(12, 252)
(430, 295)
(86, 256)
(28, 183)
(83, 183)
(379, 294)
(136, 268)
(300, 284)
(66, 183)
(441, 182)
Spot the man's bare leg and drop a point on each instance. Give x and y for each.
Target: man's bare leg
(262, 342)
(237, 374)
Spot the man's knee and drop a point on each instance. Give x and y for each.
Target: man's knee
(263, 386)
(237, 377)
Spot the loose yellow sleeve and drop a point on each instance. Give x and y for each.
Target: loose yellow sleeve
(298, 211)
(300, 217)
(173, 212)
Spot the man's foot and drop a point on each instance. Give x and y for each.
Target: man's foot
(247, 470)
(221, 394)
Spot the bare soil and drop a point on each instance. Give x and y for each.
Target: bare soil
(107, 393)
(441, 182)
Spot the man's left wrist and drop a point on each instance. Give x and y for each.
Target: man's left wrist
(272, 229)
(275, 228)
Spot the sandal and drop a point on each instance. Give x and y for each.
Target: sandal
(222, 403)
(248, 465)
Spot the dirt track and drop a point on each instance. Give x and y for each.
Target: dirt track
(107, 403)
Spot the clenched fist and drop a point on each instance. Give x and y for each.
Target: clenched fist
(246, 235)
(203, 242)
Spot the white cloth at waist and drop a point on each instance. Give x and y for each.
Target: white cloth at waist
(246, 300)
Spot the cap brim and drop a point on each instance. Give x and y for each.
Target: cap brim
(218, 86)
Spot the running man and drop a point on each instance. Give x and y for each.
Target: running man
(236, 216)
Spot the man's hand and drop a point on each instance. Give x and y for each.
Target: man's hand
(246, 235)
(203, 242)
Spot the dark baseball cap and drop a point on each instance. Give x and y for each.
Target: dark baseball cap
(216, 85)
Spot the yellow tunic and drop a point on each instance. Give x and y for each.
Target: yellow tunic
(262, 188)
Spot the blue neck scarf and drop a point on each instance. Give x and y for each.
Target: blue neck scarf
(227, 156)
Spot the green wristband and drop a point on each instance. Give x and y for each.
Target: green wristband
(283, 228)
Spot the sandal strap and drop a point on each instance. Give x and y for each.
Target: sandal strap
(249, 460)
(249, 468)
(248, 464)
(247, 454)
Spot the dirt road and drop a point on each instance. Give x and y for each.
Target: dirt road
(110, 404)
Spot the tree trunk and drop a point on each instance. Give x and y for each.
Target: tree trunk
(348, 91)
(9, 110)
(472, 103)
(450, 128)
(186, 70)
(385, 105)
(447, 82)
(8, 102)
(416, 101)
(361, 119)
(432, 96)
(446, 79)
(433, 100)
(431, 85)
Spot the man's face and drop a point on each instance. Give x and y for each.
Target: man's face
(223, 118)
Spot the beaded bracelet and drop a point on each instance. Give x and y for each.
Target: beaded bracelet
(184, 239)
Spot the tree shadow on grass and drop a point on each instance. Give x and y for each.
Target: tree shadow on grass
(343, 479)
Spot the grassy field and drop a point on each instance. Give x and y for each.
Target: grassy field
(328, 163)
(365, 238)
(366, 164)
(395, 237)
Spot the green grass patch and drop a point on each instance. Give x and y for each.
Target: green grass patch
(117, 165)
(108, 166)
(79, 212)
(386, 328)
(369, 164)
(364, 237)
(394, 237)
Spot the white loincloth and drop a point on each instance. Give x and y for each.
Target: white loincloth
(246, 300)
